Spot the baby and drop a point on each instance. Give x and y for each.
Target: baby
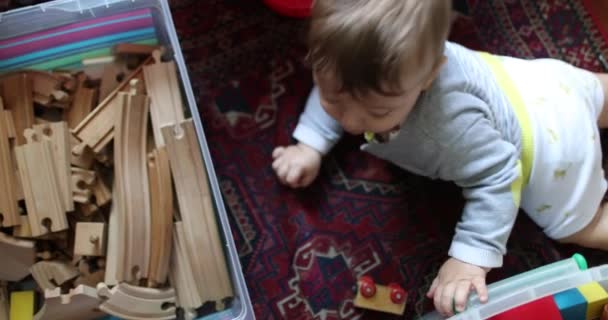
(511, 133)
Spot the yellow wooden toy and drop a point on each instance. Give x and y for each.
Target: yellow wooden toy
(371, 296)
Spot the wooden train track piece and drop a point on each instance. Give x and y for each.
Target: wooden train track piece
(38, 174)
(83, 103)
(131, 177)
(88, 277)
(81, 303)
(97, 129)
(82, 156)
(102, 193)
(196, 209)
(82, 180)
(46, 84)
(130, 302)
(9, 210)
(114, 238)
(87, 210)
(113, 73)
(5, 115)
(181, 274)
(162, 85)
(17, 92)
(90, 239)
(23, 230)
(161, 196)
(52, 274)
(59, 135)
(17, 258)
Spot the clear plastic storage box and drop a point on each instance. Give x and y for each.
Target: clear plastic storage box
(54, 14)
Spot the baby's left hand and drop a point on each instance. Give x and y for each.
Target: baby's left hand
(453, 284)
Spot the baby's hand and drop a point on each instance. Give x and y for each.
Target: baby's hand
(296, 165)
(454, 283)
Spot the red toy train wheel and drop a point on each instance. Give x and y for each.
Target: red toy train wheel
(398, 295)
(291, 8)
(367, 287)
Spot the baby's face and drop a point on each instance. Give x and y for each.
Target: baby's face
(372, 112)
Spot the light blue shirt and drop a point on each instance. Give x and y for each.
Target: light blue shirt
(462, 129)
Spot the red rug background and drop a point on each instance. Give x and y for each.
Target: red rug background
(302, 251)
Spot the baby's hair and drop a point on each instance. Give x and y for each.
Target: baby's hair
(370, 44)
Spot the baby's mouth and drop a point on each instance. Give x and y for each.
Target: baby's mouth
(382, 136)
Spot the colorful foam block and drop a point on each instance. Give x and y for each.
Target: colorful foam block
(571, 304)
(22, 305)
(543, 308)
(596, 298)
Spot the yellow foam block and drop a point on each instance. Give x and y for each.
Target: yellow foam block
(596, 298)
(22, 305)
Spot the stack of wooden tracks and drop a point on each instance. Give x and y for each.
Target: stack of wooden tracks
(105, 206)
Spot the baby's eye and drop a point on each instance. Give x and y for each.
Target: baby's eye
(380, 113)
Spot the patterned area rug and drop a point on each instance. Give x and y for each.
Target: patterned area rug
(302, 251)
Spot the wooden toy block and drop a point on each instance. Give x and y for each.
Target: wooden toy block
(166, 106)
(130, 302)
(161, 195)
(22, 305)
(596, 298)
(90, 239)
(97, 129)
(195, 203)
(372, 296)
(132, 186)
(43, 198)
(81, 303)
(51, 274)
(9, 211)
(17, 257)
(59, 136)
(543, 308)
(571, 304)
(17, 92)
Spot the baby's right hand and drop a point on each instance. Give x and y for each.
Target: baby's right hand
(296, 165)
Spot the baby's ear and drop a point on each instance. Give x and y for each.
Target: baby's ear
(435, 72)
